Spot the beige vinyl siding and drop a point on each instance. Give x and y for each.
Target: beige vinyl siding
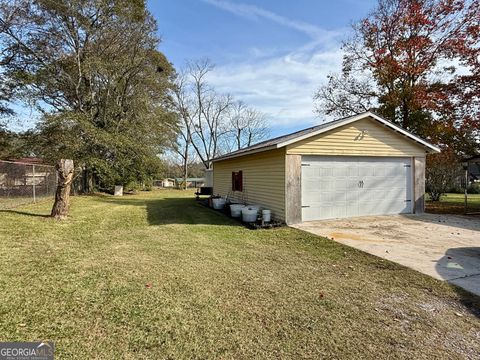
(263, 180)
(347, 140)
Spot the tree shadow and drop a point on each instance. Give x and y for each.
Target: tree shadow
(24, 213)
(461, 268)
(172, 210)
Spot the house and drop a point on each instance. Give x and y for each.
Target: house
(20, 177)
(355, 166)
(191, 182)
(166, 183)
(473, 164)
(28, 161)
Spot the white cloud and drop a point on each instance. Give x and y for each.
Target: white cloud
(281, 85)
(254, 12)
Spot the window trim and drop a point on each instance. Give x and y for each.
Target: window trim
(237, 181)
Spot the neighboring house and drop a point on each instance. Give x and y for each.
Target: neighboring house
(24, 172)
(28, 161)
(20, 174)
(166, 183)
(191, 182)
(473, 168)
(355, 166)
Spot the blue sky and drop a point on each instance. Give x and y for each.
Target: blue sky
(270, 54)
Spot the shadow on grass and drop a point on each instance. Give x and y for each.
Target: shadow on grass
(24, 213)
(451, 208)
(172, 210)
(461, 267)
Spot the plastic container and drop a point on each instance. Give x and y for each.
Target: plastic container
(218, 203)
(118, 190)
(266, 215)
(249, 214)
(254, 206)
(236, 210)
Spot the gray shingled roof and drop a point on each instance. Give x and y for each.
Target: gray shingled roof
(280, 139)
(285, 139)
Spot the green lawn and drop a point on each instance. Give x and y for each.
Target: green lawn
(454, 204)
(158, 276)
(13, 202)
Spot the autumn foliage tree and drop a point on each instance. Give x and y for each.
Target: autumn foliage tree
(417, 63)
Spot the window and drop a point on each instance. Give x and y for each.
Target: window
(237, 181)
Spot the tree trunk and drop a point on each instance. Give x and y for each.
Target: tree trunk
(62, 196)
(185, 167)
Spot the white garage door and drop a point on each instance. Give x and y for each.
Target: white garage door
(341, 186)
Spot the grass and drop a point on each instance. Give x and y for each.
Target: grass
(454, 204)
(12, 202)
(158, 276)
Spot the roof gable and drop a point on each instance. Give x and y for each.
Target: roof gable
(365, 137)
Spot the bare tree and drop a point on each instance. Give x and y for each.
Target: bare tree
(211, 123)
(344, 95)
(186, 112)
(211, 113)
(248, 126)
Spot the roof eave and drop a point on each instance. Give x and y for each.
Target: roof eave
(254, 151)
(430, 148)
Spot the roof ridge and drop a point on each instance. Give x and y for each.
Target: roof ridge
(274, 140)
(286, 139)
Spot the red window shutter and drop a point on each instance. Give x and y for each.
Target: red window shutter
(237, 181)
(240, 181)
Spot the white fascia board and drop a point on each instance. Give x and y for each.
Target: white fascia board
(433, 148)
(226, 157)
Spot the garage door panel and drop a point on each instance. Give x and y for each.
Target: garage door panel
(336, 187)
(340, 171)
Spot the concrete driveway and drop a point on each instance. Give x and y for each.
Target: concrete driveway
(446, 247)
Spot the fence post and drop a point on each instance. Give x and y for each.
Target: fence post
(34, 195)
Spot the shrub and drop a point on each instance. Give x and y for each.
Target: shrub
(441, 174)
(474, 188)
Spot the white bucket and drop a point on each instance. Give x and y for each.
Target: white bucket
(218, 203)
(249, 214)
(118, 190)
(266, 215)
(236, 210)
(254, 206)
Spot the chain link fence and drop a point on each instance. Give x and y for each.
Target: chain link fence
(23, 183)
